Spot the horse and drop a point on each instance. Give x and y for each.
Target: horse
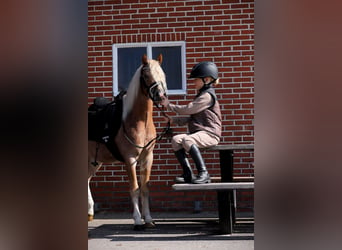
(135, 139)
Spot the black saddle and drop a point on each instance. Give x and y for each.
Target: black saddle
(104, 121)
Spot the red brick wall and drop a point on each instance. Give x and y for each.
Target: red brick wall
(218, 30)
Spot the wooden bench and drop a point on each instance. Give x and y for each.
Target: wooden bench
(224, 188)
(214, 186)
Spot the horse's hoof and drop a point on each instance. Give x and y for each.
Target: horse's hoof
(150, 224)
(90, 217)
(139, 227)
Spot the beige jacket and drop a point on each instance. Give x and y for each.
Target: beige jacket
(204, 116)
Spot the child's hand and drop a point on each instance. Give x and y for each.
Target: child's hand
(165, 102)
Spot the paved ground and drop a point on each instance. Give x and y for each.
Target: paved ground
(172, 231)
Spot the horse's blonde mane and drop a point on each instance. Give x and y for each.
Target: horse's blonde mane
(134, 85)
(132, 93)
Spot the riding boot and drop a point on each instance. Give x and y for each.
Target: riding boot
(203, 175)
(187, 175)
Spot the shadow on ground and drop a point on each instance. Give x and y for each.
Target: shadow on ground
(171, 229)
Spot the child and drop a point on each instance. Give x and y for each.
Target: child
(204, 123)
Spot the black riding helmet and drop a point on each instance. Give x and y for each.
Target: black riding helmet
(204, 69)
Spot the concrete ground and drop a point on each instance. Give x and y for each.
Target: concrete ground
(176, 231)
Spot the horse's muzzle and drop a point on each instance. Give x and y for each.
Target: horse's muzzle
(156, 92)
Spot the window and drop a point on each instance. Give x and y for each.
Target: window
(127, 58)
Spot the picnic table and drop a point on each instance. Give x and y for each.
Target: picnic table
(225, 187)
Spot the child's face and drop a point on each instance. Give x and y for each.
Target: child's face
(198, 83)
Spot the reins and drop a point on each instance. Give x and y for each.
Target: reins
(157, 138)
(165, 131)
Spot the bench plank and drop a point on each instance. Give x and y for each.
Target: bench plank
(214, 186)
(231, 147)
(235, 179)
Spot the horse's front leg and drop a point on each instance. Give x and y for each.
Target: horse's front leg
(145, 172)
(134, 192)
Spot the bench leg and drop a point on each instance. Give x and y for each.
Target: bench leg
(225, 211)
(225, 198)
(233, 200)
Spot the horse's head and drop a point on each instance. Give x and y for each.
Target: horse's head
(153, 78)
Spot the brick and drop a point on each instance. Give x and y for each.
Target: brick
(103, 58)
(95, 74)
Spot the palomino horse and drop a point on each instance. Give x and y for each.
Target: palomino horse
(135, 139)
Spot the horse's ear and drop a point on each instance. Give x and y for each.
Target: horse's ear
(160, 59)
(144, 59)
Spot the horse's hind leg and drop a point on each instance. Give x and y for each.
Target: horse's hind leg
(145, 172)
(90, 204)
(91, 172)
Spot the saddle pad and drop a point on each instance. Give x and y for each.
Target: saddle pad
(104, 121)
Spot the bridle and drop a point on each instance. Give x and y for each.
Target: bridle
(148, 90)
